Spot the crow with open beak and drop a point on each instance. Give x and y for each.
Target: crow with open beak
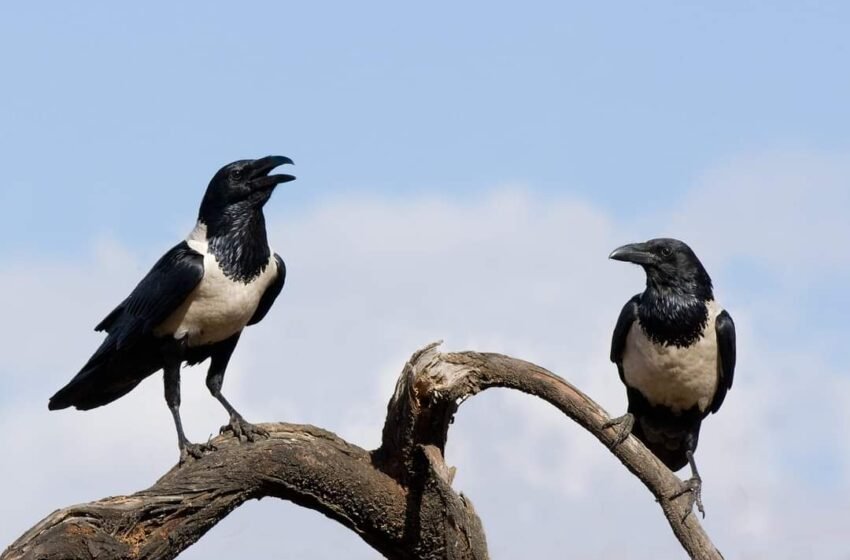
(194, 302)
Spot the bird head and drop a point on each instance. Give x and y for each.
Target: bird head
(243, 186)
(670, 266)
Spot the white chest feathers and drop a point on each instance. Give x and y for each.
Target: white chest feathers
(677, 378)
(218, 307)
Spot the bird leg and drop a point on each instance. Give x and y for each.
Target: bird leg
(625, 422)
(238, 425)
(172, 397)
(692, 487)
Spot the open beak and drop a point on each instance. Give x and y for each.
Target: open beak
(637, 253)
(260, 168)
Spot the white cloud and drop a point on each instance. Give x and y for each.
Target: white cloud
(787, 210)
(371, 280)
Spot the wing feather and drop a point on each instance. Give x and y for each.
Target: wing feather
(157, 296)
(725, 329)
(628, 315)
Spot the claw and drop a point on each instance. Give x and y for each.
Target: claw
(693, 488)
(625, 422)
(241, 428)
(194, 450)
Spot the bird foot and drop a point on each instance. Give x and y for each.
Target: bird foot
(241, 428)
(693, 488)
(195, 450)
(625, 422)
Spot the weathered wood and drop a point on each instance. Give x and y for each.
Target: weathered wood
(440, 382)
(398, 498)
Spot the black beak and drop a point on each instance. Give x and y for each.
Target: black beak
(260, 168)
(637, 253)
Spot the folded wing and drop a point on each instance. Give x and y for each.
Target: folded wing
(128, 354)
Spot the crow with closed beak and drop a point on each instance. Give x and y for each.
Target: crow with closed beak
(675, 351)
(194, 303)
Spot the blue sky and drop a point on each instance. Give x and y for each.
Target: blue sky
(463, 171)
(114, 116)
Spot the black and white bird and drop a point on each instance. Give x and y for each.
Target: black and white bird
(194, 302)
(675, 351)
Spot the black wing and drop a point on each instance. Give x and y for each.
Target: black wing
(271, 292)
(129, 353)
(624, 322)
(725, 329)
(157, 296)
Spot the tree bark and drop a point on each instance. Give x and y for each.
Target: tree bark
(398, 498)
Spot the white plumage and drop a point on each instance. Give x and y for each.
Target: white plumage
(218, 307)
(677, 378)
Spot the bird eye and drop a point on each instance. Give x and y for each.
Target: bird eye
(666, 251)
(236, 174)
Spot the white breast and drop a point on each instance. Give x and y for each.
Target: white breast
(218, 307)
(677, 378)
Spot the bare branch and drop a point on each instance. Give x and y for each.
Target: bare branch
(437, 383)
(398, 498)
(308, 466)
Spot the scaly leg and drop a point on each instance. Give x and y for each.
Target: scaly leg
(215, 378)
(171, 378)
(172, 397)
(692, 487)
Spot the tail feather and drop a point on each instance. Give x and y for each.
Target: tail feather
(668, 441)
(109, 374)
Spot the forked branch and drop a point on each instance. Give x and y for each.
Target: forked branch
(398, 498)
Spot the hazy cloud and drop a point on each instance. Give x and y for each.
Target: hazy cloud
(371, 280)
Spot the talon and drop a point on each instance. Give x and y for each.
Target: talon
(194, 450)
(625, 422)
(693, 488)
(241, 428)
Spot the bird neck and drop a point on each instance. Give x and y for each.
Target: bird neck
(238, 241)
(671, 318)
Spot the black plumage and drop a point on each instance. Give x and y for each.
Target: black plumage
(194, 302)
(675, 353)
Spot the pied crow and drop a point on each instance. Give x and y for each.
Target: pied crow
(675, 351)
(194, 302)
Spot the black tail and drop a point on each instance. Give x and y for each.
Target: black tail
(668, 438)
(109, 374)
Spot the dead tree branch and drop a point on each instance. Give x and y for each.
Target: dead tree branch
(398, 498)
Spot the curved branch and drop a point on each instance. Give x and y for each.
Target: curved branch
(398, 498)
(303, 464)
(306, 465)
(437, 383)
